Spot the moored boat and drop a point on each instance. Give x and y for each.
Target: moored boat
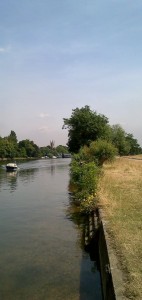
(11, 167)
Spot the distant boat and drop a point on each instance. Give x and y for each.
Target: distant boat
(66, 155)
(11, 167)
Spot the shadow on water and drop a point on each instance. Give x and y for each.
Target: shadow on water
(88, 235)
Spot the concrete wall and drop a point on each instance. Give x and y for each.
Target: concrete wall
(98, 243)
(111, 274)
(106, 276)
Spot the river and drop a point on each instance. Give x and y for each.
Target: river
(41, 257)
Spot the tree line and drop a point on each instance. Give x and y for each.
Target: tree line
(85, 126)
(10, 148)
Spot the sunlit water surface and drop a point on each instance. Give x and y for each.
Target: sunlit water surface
(40, 252)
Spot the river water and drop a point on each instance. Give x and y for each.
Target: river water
(41, 257)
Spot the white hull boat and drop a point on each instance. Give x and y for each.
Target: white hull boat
(11, 167)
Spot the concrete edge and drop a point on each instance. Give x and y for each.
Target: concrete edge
(114, 265)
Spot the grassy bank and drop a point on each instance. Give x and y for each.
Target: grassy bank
(120, 196)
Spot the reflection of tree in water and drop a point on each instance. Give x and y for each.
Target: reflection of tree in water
(88, 229)
(27, 175)
(52, 169)
(90, 279)
(1, 176)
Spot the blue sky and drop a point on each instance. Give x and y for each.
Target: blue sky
(56, 55)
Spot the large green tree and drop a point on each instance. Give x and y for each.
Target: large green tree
(7, 148)
(134, 146)
(3, 148)
(61, 149)
(85, 126)
(119, 140)
(29, 148)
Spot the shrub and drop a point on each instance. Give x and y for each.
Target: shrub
(102, 151)
(84, 179)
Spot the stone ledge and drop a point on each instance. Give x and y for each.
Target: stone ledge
(112, 276)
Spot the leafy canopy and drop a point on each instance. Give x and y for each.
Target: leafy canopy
(84, 126)
(119, 140)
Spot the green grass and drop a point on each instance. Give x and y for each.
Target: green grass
(120, 196)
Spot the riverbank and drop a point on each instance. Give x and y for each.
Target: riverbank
(120, 195)
(19, 158)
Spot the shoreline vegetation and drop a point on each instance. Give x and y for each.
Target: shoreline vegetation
(120, 198)
(116, 188)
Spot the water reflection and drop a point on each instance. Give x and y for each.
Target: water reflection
(12, 180)
(26, 173)
(52, 169)
(8, 180)
(42, 252)
(90, 280)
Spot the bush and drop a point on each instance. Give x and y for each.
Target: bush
(102, 151)
(85, 172)
(84, 179)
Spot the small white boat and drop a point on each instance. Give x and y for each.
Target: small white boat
(11, 167)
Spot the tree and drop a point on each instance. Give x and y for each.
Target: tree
(31, 149)
(134, 146)
(3, 152)
(119, 140)
(61, 149)
(7, 148)
(84, 126)
(13, 137)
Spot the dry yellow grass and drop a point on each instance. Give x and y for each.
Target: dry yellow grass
(120, 196)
